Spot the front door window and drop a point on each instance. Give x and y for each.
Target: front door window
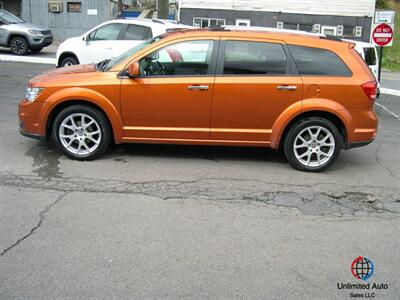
(191, 58)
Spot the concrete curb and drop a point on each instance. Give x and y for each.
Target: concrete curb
(28, 59)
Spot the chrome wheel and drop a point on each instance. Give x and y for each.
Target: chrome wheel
(314, 146)
(68, 64)
(80, 134)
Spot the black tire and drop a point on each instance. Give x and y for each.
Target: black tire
(69, 61)
(37, 50)
(302, 126)
(19, 45)
(101, 121)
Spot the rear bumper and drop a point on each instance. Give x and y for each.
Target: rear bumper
(357, 144)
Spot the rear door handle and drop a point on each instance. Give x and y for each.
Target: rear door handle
(286, 87)
(198, 87)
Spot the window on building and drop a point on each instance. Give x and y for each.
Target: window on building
(316, 61)
(255, 58)
(107, 32)
(295, 26)
(181, 59)
(292, 26)
(316, 28)
(358, 31)
(74, 7)
(306, 27)
(208, 22)
(137, 32)
(339, 30)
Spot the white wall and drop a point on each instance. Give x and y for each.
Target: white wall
(358, 8)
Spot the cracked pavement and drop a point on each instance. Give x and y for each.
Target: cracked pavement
(168, 222)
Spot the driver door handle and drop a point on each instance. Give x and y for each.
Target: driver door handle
(198, 87)
(286, 87)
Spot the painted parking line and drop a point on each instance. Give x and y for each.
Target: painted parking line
(388, 110)
(392, 92)
(29, 59)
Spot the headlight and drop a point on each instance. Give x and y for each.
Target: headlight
(32, 93)
(35, 32)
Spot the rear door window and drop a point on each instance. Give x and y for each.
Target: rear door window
(316, 61)
(137, 32)
(254, 58)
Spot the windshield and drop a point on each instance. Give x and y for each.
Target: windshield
(117, 60)
(9, 18)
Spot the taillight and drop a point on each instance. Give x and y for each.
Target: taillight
(370, 88)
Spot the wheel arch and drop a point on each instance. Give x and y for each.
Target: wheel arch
(16, 34)
(96, 101)
(324, 108)
(65, 55)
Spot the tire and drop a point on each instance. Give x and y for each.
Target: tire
(19, 45)
(37, 50)
(69, 61)
(317, 154)
(70, 137)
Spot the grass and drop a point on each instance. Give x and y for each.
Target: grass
(391, 55)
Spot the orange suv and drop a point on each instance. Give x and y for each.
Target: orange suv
(308, 96)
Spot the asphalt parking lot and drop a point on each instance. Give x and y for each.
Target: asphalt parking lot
(186, 222)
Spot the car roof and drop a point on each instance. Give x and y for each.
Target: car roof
(150, 22)
(289, 36)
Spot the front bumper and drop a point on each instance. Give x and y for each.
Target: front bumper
(40, 41)
(30, 123)
(32, 135)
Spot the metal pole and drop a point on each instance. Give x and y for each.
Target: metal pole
(380, 63)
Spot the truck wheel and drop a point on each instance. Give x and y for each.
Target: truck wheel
(19, 45)
(81, 132)
(313, 144)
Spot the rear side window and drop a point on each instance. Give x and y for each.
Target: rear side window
(370, 56)
(137, 32)
(255, 58)
(316, 61)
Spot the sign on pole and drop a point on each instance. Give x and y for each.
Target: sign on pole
(382, 35)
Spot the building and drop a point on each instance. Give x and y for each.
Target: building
(350, 19)
(66, 18)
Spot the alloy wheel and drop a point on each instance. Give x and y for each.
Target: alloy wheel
(314, 146)
(80, 134)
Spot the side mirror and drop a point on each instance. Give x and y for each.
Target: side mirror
(134, 69)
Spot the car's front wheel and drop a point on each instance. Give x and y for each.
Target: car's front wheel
(313, 144)
(69, 61)
(19, 45)
(81, 132)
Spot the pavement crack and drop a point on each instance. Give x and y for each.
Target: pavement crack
(380, 163)
(42, 218)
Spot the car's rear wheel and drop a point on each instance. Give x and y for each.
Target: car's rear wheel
(313, 144)
(19, 45)
(69, 61)
(81, 132)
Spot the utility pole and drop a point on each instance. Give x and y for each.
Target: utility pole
(162, 9)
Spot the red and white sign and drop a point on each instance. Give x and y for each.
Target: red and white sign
(382, 35)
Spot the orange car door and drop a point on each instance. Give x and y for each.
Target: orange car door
(256, 81)
(172, 97)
